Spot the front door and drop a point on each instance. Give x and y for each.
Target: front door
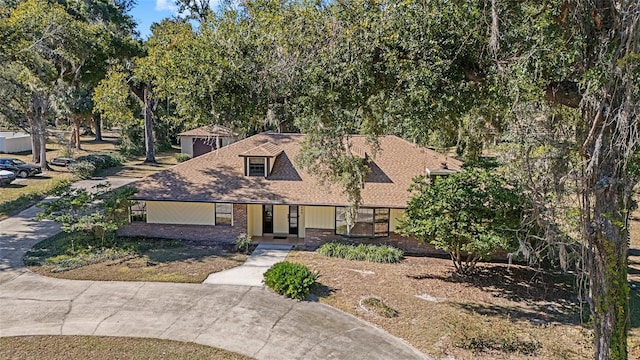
(293, 220)
(267, 219)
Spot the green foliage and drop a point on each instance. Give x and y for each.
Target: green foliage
(243, 243)
(292, 280)
(380, 307)
(67, 251)
(82, 169)
(470, 214)
(181, 157)
(97, 213)
(362, 252)
(102, 161)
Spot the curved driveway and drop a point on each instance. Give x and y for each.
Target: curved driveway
(247, 320)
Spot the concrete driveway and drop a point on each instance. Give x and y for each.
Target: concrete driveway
(244, 319)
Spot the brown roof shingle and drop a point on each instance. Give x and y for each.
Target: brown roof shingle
(209, 130)
(267, 149)
(218, 176)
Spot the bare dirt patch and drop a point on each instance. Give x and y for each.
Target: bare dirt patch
(187, 263)
(94, 347)
(502, 312)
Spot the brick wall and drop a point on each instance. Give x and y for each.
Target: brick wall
(316, 237)
(203, 233)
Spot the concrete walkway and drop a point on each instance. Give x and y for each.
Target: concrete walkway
(246, 319)
(251, 272)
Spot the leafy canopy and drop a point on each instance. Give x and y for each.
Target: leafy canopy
(470, 214)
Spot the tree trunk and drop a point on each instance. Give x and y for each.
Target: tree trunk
(77, 121)
(35, 142)
(609, 111)
(148, 128)
(97, 124)
(39, 103)
(607, 263)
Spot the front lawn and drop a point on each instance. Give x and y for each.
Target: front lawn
(68, 256)
(502, 312)
(94, 347)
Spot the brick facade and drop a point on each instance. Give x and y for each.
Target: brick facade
(316, 237)
(203, 233)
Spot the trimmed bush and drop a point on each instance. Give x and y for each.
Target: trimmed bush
(362, 252)
(292, 280)
(82, 169)
(181, 157)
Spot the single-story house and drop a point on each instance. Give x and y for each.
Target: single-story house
(254, 186)
(14, 142)
(205, 139)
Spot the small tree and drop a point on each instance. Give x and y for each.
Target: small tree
(97, 213)
(470, 214)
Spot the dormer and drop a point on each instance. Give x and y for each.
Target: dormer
(259, 160)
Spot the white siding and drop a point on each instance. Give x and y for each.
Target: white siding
(254, 219)
(11, 142)
(301, 224)
(280, 219)
(174, 212)
(186, 145)
(319, 217)
(394, 216)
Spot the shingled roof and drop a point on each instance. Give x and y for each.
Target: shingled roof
(209, 130)
(218, 176)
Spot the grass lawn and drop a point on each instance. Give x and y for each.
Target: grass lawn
(94, 347)
(500, 313)
(130, 259)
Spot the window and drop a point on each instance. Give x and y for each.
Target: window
(256, 167)
(368, 222)
(224, 214)
(138, 211)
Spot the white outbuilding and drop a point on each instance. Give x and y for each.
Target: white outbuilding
(14, 142)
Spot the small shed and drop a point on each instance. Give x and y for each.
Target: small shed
(205, 139)
(14, 142)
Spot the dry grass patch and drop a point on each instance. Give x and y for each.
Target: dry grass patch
(93, 347)
(500, 313)
(138, 260)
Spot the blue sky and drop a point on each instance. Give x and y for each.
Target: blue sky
(146, 12)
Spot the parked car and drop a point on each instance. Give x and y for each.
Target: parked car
(19, 167)
(62, 161)
(6, 177)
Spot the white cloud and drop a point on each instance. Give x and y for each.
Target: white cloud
(162, 5)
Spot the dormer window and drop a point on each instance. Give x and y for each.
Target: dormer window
(257, 166)
(259, 160)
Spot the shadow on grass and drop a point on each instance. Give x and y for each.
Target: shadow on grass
(518, 284)
(320, 291)
(561, 312)
(14, 186)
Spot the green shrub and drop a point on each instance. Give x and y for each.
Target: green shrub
(292, 280)
(183, 157)
(243, 243)
(362, 252)
(103, 161)
(82, 169)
